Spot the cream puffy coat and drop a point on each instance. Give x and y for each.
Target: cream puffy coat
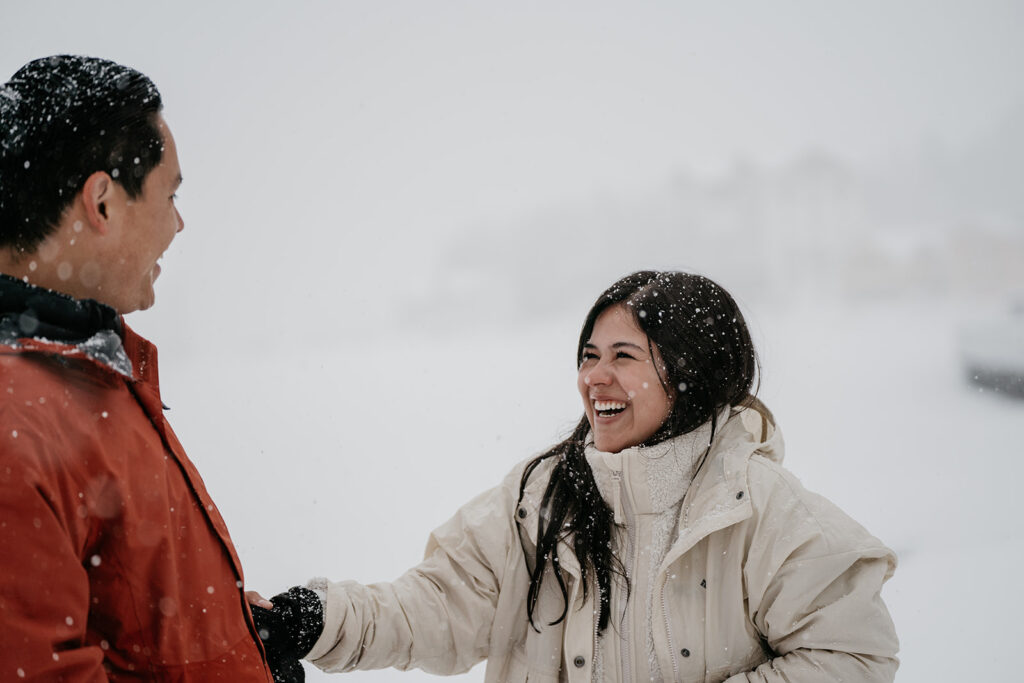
(764, 582)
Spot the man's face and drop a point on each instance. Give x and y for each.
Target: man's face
(135, 243)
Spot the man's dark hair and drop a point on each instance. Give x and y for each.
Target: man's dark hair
(63, 118)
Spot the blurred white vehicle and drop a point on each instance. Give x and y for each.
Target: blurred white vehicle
(992, 350)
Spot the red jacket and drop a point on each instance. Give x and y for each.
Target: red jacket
(114, 562)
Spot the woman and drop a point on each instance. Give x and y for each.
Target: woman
(660, 541)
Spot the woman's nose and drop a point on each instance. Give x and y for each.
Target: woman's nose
(598, 375)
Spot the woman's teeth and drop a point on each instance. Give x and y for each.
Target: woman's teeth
(608, 408)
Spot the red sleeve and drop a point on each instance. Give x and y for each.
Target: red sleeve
(44, 587)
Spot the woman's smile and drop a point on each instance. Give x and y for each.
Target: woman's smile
(608, 409)
(623, 392)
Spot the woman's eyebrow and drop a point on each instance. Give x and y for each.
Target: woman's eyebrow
(616, 345)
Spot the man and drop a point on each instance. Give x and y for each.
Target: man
(114, 562)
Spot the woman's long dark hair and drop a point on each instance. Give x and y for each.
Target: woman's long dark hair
(710, 363)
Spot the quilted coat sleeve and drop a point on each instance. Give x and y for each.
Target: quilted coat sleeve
(44, 588)
(438, 615)
(814, 580)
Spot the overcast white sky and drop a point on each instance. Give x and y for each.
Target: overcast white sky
(329, 148)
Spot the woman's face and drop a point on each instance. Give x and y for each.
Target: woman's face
(620, 384)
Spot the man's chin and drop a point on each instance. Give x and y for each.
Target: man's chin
(148, 302)
(144, 302)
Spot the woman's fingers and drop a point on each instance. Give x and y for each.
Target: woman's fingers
(254, 598)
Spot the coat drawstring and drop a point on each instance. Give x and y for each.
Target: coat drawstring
(617, 497)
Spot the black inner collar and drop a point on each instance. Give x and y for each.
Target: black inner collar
(46, 314)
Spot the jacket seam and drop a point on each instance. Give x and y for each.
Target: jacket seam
(853, 551)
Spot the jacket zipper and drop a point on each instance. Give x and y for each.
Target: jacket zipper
(668, 632)
(626, 632)
(685, 514)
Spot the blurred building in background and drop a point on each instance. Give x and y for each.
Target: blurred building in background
(936, 223)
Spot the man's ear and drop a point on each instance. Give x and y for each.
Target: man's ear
(97, 194)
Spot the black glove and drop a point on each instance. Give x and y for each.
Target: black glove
(289, 631)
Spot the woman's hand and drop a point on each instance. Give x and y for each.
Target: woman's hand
(289, 626)
(254, 598)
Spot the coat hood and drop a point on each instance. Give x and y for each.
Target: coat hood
(759, 423)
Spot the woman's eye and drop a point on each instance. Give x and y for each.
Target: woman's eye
(623, 354)
(587, 355)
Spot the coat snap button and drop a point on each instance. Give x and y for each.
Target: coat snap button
(684, 652)
(739, 495)
(522, 513)
(579, 662)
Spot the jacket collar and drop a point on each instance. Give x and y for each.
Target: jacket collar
(33, 314)
(719, 495)
(653, 478)
(717, 498)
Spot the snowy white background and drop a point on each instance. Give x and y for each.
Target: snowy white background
(397, 214)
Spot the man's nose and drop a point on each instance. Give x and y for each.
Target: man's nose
(181, 222)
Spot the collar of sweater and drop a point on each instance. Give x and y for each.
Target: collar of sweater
(653, 478)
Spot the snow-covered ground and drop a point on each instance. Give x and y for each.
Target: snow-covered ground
(337, 457)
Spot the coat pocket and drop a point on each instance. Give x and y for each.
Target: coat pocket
(519, 671)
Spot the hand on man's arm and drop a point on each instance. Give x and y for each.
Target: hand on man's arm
(289, 625)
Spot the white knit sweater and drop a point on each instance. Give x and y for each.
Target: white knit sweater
(644, 487)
